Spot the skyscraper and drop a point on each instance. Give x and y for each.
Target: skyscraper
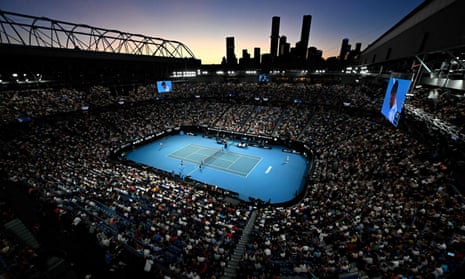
(245, 60)
(256, 56)
(305, 33)
(230, 55)
(345, 48)
(283, 46)
(274, 36)
(301, 46)
(354, 54)
(358, 47)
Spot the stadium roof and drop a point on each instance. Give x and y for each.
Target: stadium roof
(64, 50)
(435, 25)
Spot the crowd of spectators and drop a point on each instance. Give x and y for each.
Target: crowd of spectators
(382, 205)
(167, 221)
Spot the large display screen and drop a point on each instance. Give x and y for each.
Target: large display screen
(164, 86)
(394, 99)
(263, 78)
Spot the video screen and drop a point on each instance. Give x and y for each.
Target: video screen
(164, 86)
(263, 78)
(394, 99)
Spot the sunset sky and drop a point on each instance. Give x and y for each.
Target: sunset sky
(203, 25)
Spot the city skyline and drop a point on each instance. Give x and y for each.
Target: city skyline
(203, 25)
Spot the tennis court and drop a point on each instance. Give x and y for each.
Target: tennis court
(252, 172)
(219, 159)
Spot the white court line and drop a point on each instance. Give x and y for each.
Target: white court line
(199, 150)
(232, 162)
(256, 164)
(268, 169)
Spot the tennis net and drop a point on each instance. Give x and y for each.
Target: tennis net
(211, 157)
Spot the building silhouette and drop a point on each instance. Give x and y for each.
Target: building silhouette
(274, 36)
(345, 48)
(354, 54)
(347, 55)
(302, 45)
(245, 60)
(315, 58)
(257, 56)
(231, 59)
(284, 46)
(281, 54)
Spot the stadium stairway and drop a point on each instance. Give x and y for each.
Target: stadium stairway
(17, 227)
(230, 271)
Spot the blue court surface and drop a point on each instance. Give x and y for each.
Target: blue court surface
(219, 159)
(267, 174)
